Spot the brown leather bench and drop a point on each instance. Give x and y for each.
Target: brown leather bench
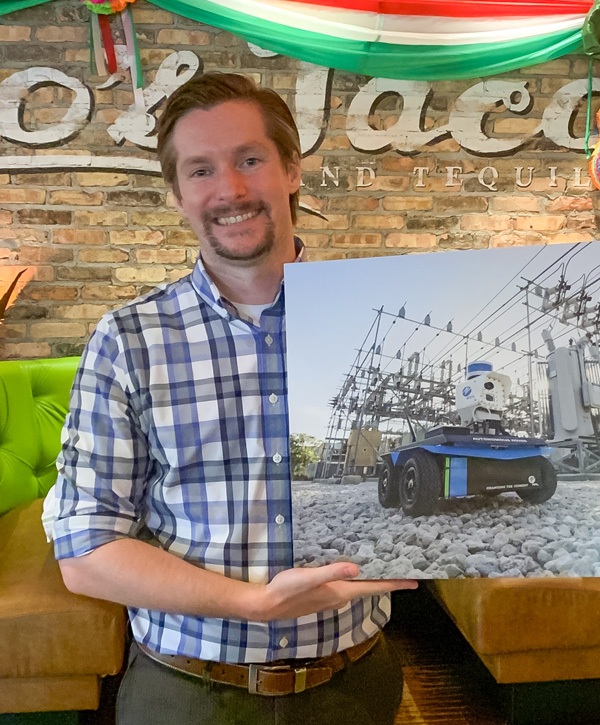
(528, 630)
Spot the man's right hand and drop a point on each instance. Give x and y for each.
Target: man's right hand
(134, 573)
(295, 592)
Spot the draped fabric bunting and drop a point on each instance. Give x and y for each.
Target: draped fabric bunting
(388, 45)
(418, 39)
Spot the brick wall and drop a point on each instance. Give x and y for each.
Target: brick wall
(389, 167)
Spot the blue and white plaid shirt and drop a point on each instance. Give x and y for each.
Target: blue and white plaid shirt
(178, 435)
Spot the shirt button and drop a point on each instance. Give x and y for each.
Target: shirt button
(283, 642)
(277, 458)
(279, 519)
(269, 340)
(272, 398)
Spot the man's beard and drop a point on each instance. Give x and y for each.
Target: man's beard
(261, 250)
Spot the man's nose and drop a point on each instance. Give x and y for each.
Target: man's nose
(232, 184)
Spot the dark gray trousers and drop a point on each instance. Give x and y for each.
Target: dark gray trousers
(365, 692)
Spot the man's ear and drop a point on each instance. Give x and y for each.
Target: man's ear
(294, 170)
(177, 200)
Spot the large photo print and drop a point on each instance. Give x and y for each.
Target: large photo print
(445, 412)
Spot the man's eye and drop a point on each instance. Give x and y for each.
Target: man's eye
(252, 161)
(200, 172)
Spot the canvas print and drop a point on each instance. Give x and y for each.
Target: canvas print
(445, 412)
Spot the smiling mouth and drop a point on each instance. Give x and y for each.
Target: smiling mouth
(226, 221)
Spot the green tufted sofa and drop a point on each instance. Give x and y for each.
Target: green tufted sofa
(55, 646)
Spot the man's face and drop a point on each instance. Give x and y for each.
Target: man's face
(233, 186)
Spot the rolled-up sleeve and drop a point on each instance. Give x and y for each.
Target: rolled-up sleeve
(103, 465)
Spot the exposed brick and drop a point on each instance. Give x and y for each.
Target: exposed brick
(127, 237)
(12, 331)
(461, 240)
(407, 203)
(80, 312)
(584, 220)
(100, 218)
(320, 255)
(315, 240)
(22, 196)
(377, 221)
(32, 54)
(335, 143)
(570, 237)
(50, 179)
(176, 274)
(539, 223)
(184, 237)
(41, 330)
(516, 126)
(137, 274)
(102, 256)
(107, 292)
(62, 34)
(516, 239)
(14, 33)
(485, 222)
(570, 203)
(135, 198)
(461, 203)
(558, 67)
(334, 221)
(515, 203)
(44, 216)
(182, 37)
(105, 178)
(84, 273)
(23, 234)
(439, 223)
(160, 256)
(390, 183)
(25, 350)
(44, 255)
(5, 217)
(410, 241)
(78, 236)
(150, 17)
(67, 349)
(76, 198)
(22, 311)
(47, 292)
(156, 219)
(405, 163)
(356, 240)
(352, 203)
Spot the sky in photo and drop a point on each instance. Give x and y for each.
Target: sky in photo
(331, 310)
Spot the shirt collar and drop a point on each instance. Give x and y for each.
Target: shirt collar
(207, 289)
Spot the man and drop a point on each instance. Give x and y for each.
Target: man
(174, 480)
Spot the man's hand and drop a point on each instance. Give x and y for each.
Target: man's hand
(134, 573)
(296, 592)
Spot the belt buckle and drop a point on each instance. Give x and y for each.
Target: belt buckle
(253, 670)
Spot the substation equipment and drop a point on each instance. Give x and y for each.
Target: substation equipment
(427, 437)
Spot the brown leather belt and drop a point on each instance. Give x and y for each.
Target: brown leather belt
(264, 679)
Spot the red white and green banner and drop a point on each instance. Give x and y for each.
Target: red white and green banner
(422, 39)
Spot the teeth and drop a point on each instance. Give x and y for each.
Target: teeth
(226, 220)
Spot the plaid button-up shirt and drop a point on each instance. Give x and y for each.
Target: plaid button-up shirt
(178, 435)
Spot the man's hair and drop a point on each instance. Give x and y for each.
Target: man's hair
(208, 90)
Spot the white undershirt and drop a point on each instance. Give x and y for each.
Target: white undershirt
(252, 311)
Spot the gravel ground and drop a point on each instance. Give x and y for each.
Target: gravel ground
(472, 537)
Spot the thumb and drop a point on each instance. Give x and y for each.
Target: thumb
(340, 571)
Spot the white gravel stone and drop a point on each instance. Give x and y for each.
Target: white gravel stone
(471, 537)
